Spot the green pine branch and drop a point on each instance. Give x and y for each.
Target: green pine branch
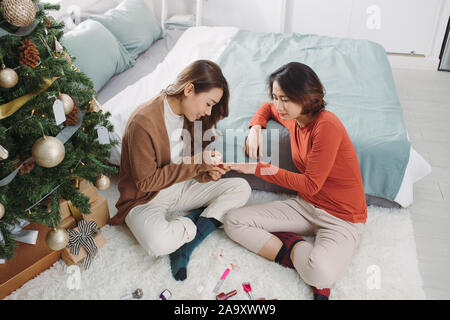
(19, 132)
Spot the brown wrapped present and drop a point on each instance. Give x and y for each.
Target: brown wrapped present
(68, 223)
(70, 258)
(67, 209)
(64, 210)
(85, 184)
(99, 212)
(99, 208)
(91, 193)
(28, 261)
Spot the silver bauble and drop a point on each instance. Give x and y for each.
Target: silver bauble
(67, 102)
(8, 78)
(57, 239)
(103, 182)
(48, 152)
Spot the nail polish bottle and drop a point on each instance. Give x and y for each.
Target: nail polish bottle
(248, 289)
(165, 295)
(225, 296)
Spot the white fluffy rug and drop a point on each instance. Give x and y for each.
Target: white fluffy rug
(385, 266)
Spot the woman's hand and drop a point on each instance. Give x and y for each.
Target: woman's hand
(254, 142)
(217, 171)
(247, 168)
(210, 157)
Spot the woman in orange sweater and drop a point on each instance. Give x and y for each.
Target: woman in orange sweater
(330, 204)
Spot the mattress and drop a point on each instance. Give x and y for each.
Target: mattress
(126, 91)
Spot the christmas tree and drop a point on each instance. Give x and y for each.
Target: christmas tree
(52, 129)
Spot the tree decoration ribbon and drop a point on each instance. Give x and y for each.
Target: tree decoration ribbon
(63, 136)
(11, 107)
(85, 239)
(17, 232)
(76, 213)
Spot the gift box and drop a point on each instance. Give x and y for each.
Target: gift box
(68, 223)
(84, 184)
(99, 212)
(99, 208)
(28, 261)
(70, 258)
(64, 210)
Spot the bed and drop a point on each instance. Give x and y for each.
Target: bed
(359, 89)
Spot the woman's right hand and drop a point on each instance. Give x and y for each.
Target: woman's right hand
(217, 171)
(254, 142)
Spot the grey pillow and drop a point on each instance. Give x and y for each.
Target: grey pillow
(133, 24)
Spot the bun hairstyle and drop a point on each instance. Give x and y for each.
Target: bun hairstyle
(301, 85)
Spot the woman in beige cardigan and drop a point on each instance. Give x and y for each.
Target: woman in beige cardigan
(159, 172)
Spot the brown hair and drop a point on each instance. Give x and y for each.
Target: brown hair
(301, 85)
(204, 75)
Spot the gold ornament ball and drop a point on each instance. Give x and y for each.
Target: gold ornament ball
(67, 102)
(19, 13)
(8, 78)
(48, 152)
(103, 182)
(2, 211)
(57, 239)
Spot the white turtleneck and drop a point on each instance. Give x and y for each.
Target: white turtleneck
(174, 125)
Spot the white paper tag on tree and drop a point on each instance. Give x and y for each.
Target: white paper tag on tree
(59, 48)
(58, 111)
(103, 135)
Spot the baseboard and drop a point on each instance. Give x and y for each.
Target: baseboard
(413, 62)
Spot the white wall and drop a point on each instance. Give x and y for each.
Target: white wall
(440, 29)
(254, 15)
(339, 18)
(405, 25)
(323, 17)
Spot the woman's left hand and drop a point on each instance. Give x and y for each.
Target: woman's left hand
(247, 168)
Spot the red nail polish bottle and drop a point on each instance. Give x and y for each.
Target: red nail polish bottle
(225, 296)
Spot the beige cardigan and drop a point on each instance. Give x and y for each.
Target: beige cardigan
(145, 166)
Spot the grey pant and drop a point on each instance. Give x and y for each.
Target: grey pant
(320, 263)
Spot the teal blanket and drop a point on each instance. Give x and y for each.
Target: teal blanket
(359, 89)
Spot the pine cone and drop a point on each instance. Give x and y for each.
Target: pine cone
(47, 22)
(72, 118)
(27, 167)
(29, 54)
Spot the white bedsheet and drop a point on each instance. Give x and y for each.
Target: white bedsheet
(209, 43)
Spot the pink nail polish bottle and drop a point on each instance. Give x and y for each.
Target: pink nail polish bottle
(248, 289)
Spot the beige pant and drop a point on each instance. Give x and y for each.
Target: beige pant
(319, 264)
(159, 236)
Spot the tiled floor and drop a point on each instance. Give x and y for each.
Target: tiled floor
(425, 98)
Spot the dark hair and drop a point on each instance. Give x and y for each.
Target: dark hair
(204, 75)
(301, 85)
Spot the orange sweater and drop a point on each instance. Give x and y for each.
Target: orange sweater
(322, 151)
